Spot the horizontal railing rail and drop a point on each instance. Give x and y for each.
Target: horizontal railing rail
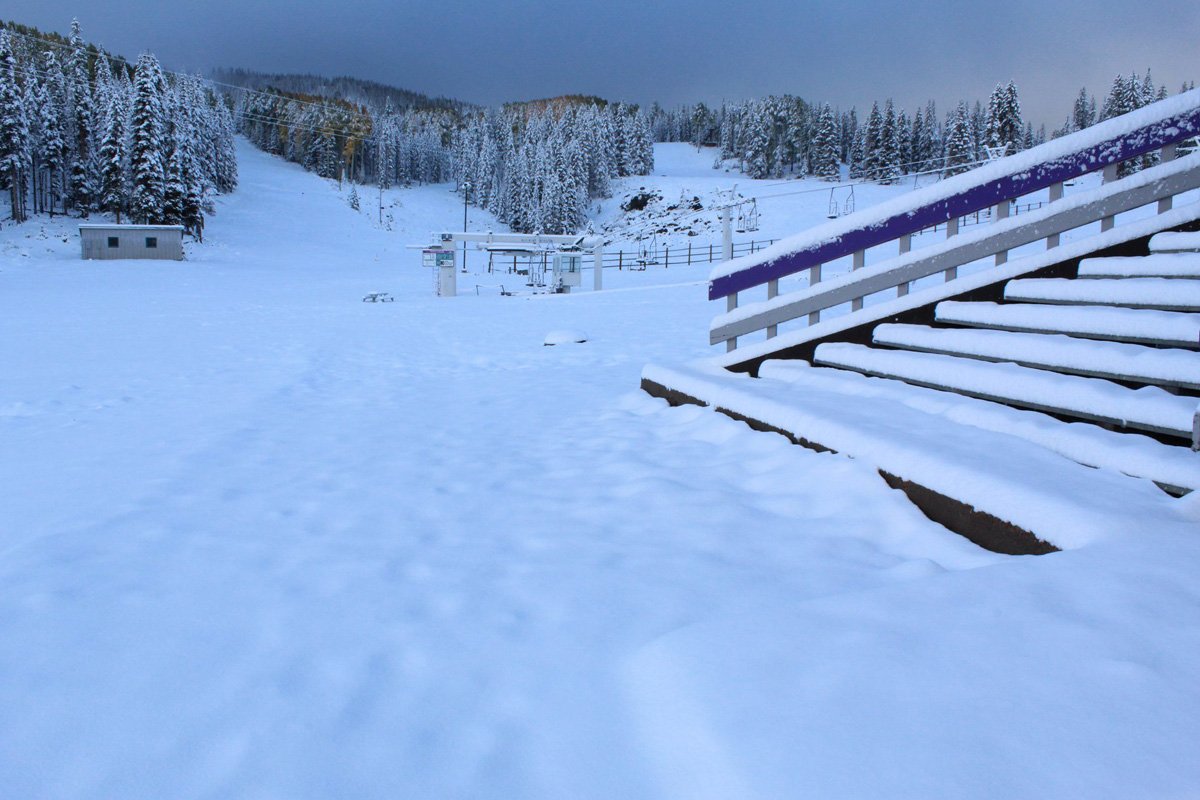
(1160, 125)
(1165, 181)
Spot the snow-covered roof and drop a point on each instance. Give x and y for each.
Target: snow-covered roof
(125, 227)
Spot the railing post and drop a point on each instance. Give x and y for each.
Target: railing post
(1056, 193)
(731, 303)
(951, 230)
(905, 247)
(1168, 154)
(814, 277)
(1110, 175)
(1001, 213)
(860, 260)
(772, 293)
(598, 268)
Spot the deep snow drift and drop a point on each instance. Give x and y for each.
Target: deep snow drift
(261, 539)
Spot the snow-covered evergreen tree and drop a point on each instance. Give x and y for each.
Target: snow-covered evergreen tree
(758, 143)
(888, 146)
(147, 142)
(1004, 125)
(113, 155)
(83, 169)
(52, 144)
(1083, 114)
(872, 166)
(174, 189)
(823, 162)
(14, 129)
(960, 145)
(1122, 97)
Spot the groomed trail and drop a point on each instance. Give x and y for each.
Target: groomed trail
(262, 539)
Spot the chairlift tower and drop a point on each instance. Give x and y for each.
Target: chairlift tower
(442, 252)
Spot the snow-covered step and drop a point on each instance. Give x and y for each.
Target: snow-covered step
(1112, 360)
(1159, 293)
(1148, 408)
(1173, 466)
(1144, 326)
(990, 472)
(1175, 242)
(1163, 265)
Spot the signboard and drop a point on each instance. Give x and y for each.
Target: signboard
(437, 258)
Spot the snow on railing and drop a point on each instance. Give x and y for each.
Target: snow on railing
(1159, 126)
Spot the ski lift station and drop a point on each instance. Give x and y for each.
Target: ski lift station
(132, 241)
(563, 255)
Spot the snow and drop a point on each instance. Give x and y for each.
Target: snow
(1116, 360)
(1171, 328)
(1147, 407)
(1009, 477)
(1175, 241)
(564, 337)
(1084, 443)
(684, 173)
(1162, 293)
(262, 539)
(1166, 265)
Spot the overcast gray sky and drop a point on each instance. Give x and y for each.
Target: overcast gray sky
(846, 53)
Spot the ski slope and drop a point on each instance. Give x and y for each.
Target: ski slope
(261, 539)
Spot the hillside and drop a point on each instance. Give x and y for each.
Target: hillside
(355, 91)
(263, 539)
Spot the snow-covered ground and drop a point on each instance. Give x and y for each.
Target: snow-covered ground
(261, 539)
(686, 194)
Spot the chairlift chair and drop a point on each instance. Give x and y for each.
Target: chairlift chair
(996, 152)
(848, 206)
(752, 216)
(834, 208)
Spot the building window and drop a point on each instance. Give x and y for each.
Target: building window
(151, 242)
(113, 241)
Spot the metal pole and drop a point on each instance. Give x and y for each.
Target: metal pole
(466, 194)
(726, 235)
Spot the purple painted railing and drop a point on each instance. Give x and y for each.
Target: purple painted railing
(1132, 144)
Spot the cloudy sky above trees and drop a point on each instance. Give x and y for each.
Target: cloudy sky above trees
(845, 53)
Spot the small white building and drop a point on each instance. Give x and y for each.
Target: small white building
(131, 241)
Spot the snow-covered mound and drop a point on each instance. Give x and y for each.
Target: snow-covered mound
(564, 337)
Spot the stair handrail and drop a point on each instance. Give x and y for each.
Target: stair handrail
(1156, 126)
(1159, 183)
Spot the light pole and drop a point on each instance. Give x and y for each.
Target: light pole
(466, 194)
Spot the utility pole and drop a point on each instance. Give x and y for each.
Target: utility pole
(466, 194)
